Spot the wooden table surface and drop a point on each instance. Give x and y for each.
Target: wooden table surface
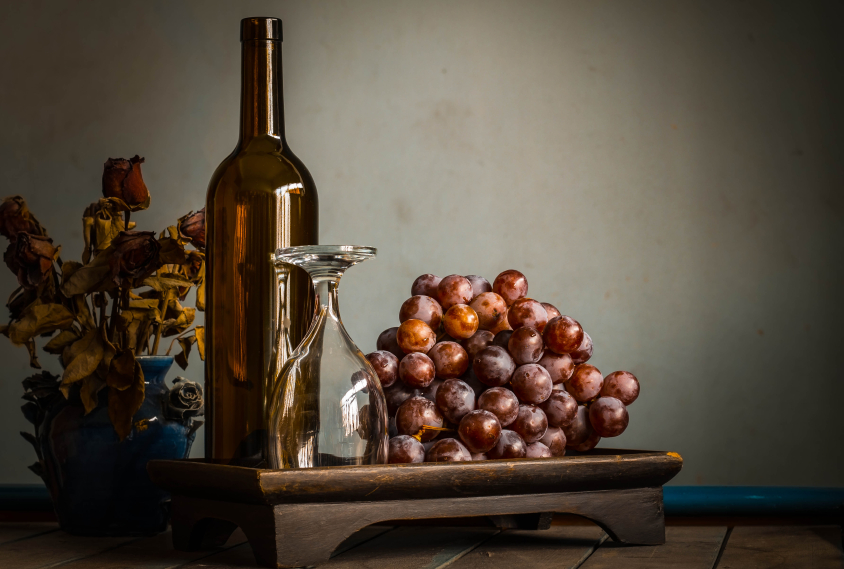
(570, 543)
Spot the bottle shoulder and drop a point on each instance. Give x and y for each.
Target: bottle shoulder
(263, 165)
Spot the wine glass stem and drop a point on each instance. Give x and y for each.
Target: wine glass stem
(325, 288)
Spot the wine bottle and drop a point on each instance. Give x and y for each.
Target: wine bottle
(260, 198)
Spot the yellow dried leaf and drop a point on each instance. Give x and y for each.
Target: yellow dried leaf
(83, 313)
(123, 404)
(172, 252)
(200, 341)
(37, 319)
(200, 289)
(182, 357)
(33, 355)
(93, 277)
(144, 303)
(91, 387)
(109, 351)
(163, 284)
(58, 343)
(121, 373)
(84, 356)
(69, 268)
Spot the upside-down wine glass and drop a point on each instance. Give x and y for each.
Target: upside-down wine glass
(327, 406)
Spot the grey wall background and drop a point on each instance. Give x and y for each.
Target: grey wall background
(668, 173)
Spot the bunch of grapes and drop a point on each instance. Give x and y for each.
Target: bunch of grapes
(478, 371)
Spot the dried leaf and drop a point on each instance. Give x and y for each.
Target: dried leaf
(178, 325)
(106, 228)
(39, 318)
(37, 468)
(91, 387)
(60, 342)
(93, 277)
(124, 403)
(165, 283)
(172, 252)
(30, 438)
(200, 290)
(30, 412)
(33, 354)
(200, 341)
(144, 303)
(84, 356)
(69, 268)
(87, 230)
(121, 373)
(182, 357)
(109, 351)
(83, 313)
(133, 315)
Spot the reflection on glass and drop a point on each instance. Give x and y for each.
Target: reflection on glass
(327, 408)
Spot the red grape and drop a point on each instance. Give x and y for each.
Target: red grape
(387, 342)
(414, 413)
(502, 339)
(555, 440)
(460, 321)
(583, 352)
(578, 430)
(455, 399)
(511, 285)
(454, 289)
(563, 334)
(591, 442)
(450, 359)
(585, 383)
(509, 445)
(426, 285)
(608, 416)
(479, 430)
(430, 392)
(448, 450)
(501, 402)
(479, 285)
(417, 370)
(622, 385)
(397, 394)
(531, 383)
(493, 366)
(491, 310)
(550, 310)
(415, 336)
(560, 408)
(479, 340)
(527, 312)
(537, 450)
(470, 379)
(502, 325)
(404, 449)
(386, 365)
(530, 423)
(525, 346)
(479, 456)
(422, 308)
(559, 366)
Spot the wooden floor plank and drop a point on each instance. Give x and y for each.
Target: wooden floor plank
(55, 548)
(150, 553)
(242, 556)
(14, 531)
(783, 547)
(687, 547)
(413, 548)
(561, 547)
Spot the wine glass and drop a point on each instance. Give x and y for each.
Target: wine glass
(327, 406)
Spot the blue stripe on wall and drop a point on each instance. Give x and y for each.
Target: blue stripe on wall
(679, 500)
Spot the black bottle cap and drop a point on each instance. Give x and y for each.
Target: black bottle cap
(260, 29)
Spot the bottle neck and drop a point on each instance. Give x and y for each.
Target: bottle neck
(261, 101)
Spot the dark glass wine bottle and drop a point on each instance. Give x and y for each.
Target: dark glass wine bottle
(260, 198)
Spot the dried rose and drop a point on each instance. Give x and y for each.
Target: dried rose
(134, 255)
(185, 399)
(122, 179)
(192, 226)
(31, 258)
(15, 218)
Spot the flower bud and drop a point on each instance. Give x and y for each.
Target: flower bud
(122, 179)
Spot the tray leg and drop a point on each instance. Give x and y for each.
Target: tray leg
(628, 516)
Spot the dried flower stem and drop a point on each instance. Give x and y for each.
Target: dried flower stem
(176, 339)
(112, 324)
(160, 327)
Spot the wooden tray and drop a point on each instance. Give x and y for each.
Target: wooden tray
(295, 518)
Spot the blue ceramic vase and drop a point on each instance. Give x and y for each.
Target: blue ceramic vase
(99, 484)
